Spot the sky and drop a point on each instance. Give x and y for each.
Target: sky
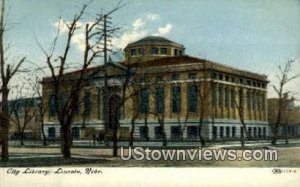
(254, 35)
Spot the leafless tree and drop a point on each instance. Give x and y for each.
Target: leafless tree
(241, 114)
(23, 109)
(8, 70)
(283, 78)
(66, 107)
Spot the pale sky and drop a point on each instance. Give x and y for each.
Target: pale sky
(254, 35)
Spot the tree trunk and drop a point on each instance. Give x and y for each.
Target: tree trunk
(202, 141)
(22, 139)
(275, 134)
(66, 141)
(4, 125)
(4, 139)
(164, 136)
(43, 132)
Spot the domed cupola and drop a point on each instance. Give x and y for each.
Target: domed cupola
(152, 47)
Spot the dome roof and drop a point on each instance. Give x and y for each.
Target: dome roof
(154, 40)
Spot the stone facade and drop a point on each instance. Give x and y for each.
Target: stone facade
(170, 88)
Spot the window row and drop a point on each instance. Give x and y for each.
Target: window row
(87, 104)
(154, 51)
(175, 99)
(223, 77)
(231, 132)
(225, 96)
(175, 132)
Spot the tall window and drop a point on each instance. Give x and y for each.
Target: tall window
(227, 132)
(192, 98)
(220, 100)
(176, 99)
(87, 103)
(221, 132)
(144, 104)
(248, 100)
(175, 52)
(143, 132)
(51, 133)
(52, 108)
(158, 132)
(75, 133)
(226, 97)
(232, 99)
(241, 99)
(192, 132)
(213, 94)
(160, 100)
(233, 131)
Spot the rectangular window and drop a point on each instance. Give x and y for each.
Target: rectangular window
(160, 100)
(192, 76)
(192, 98)
(75, 133)
(158, 133)
(141, 51)
(143, 133)
(259, 132)
(154, 50)
(254, 132)
(264, 132)
(253, 100)
(227, 132)
(52, 108)
(220, 76)
(176, 99)
(242, 132)
(248, 101)
(214, 95)
(51, 133)
(133, 52)
(221, 132)
(232, 94)
(233, 132)
(87, 103)
(192, 132)
(175, 76)
(175, 133)
(163, 51)
(227, 78)
(241, 98)
(220, 100)
(215, 132)
(249, 131)
(175, 52)
(226, 97)
(144, 104)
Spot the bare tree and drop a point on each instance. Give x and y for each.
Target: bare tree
(283, 78)
(241, 113)
(66, 106)
(7, 72)
(23, 110)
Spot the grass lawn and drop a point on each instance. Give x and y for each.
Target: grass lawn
(288, 156)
